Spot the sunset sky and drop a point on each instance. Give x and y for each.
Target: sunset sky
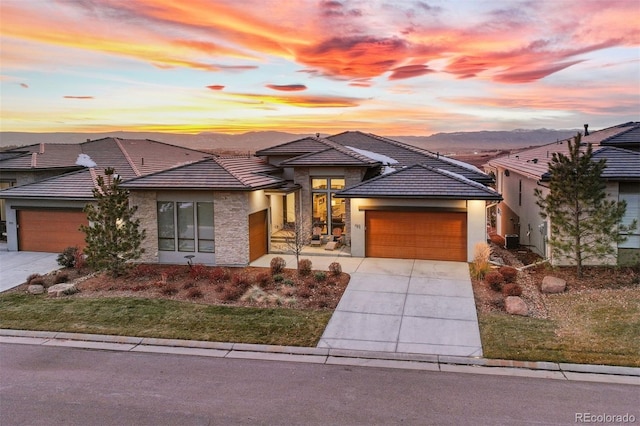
(389, 67)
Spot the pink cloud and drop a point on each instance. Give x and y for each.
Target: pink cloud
(409, 71)
(215, 87)
(287, 87)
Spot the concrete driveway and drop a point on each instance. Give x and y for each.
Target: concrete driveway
(401, 305)
(16, 266)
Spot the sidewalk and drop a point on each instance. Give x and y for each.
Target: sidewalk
(442, 363)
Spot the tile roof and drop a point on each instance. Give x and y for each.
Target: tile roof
(129, 157)
(331, 156)
(627, 138)
(534, 162)
(622, 164)
(296, 147)
(407, 155)
(74, 185)
(230, 173)
(420, 181)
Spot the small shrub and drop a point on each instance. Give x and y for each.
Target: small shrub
(480, 266)
(61, 278)
(174, 272)
(139, 287)
(188, 285)
(335, 268)
(32, 277)
(142, 270)
(38, 281)
(240, 279)
(321, 303)
(304, 267)
(509, 273)
(198, 271)
(169, 290)
(277, 265)
(304, 292)
(511, 289)
(279, 278)
(231, 292)
(80, 260)
(262, 278)
(288, 282)
(320, 276)
(219, 274)
(194, 293)
(495, 280)
(68, 257)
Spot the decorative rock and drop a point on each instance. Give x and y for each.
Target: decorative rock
(60, 290)
(553, 284)
(515, 306)
(35, 289)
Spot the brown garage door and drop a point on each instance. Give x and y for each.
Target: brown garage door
(50, 230)
(416, 235)
(257, 235)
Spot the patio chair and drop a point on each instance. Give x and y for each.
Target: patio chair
(316, 237)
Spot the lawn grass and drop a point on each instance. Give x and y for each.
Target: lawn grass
(163, 319)
(582, 328)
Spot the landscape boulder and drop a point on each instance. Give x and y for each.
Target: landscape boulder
(552, 284)
(35, 289)
(60, 290)
(515, 306)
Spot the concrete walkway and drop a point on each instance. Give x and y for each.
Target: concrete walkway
(401, 305)
(16, 266)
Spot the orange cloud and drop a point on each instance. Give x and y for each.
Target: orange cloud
(215, 87)
(301, 101)
(287, 87)
(409, 71)
(78, 97)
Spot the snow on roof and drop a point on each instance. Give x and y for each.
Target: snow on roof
(464, 179)
(461, 164)
(374, 155)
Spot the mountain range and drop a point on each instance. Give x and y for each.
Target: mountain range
(458, 142)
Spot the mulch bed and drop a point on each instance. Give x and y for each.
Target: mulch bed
(248, 286)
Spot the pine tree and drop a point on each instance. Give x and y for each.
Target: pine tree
(113, 236)
(584, 224)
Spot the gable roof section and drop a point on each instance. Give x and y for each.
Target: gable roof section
(331, 156)
(630, 137)
(248, 173)
(297, 147)
(76, 185)
(419, 181)
(622, 164)
(42, 157)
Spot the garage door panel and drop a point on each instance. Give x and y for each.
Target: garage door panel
(50, 231)
(416, 235)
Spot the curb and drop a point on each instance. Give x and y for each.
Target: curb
(443, 363)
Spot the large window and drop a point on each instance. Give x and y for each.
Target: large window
(185, 227)
(328, 212)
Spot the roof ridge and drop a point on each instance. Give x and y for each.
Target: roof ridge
(631, 127)
(127, 157)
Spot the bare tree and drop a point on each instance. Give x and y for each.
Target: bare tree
(297, 237)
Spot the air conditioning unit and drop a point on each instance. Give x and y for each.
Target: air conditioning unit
(511, 241)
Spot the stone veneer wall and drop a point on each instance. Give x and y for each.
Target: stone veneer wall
(303, 197)
(352, 177)
(148, 214)
(231, 227)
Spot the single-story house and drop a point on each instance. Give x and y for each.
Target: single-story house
(517, 175)
(46, 186)
(386, 199)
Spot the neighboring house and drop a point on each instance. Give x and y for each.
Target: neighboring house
(387, 198)
(518, 175)
(49, 185)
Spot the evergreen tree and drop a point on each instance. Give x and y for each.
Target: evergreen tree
(584, 224)
(113, 236)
